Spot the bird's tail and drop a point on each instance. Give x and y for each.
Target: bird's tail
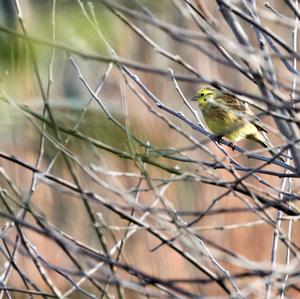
(259, 138)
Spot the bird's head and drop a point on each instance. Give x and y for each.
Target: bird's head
(202, 97)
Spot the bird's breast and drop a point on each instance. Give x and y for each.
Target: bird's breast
(227, 123)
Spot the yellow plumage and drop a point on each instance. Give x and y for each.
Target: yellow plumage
(229, 116)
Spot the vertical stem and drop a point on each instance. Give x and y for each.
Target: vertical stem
(293, 95)
(275, 246)
(286, 184)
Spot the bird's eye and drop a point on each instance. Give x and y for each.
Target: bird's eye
(202, 94)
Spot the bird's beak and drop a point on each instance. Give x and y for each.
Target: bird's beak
(194, 98)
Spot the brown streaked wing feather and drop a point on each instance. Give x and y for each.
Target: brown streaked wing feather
(258, 124)
(235, 103)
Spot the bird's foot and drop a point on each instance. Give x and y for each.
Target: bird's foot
(217, 138)
(232, 145)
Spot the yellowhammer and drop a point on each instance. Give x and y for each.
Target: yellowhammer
(227, 115)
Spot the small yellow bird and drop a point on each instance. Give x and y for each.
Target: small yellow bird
(229, 116)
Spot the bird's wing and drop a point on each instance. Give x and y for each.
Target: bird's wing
(258, 124)
(237, 104)
(233, 103)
